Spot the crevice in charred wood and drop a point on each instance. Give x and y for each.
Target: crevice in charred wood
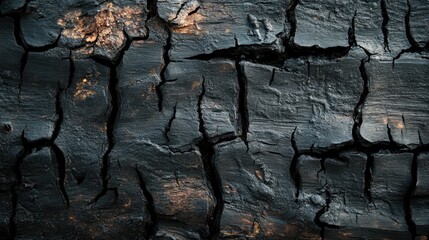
(357, 113)
(179, 10)
(322, 166)
(269, 54)
(290, 14)
(152, 226)
(293, 170)
(61, 165)
(194, 11)
(296, 51)
(368, 176)
(243, 112)
(408, 198)
(420, 138)
(322, 225)
(384, 29)
(389, 134)
(18, 33)
(166, 61)
(60, 115)
(272, 77)
(110, 128)
(266, 54)
(170, 122)
(410, 37)
(152, 8)
(352, 36)
(207, 154)
(113, 116)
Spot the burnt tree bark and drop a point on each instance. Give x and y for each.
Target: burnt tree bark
(198, 119)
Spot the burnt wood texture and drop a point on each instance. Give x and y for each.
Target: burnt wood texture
(214, 119)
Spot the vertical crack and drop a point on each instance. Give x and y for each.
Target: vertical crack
(272, 77)
(60, 115)
(319, 214)
(166, 61)
(384, 29)
(324, 209)
(290, 14)
(18, 38)
(368, 176)
(28, 147)
(293, 170)
(322, 166)
(151, 228)
(21, 42)
(110, 128)
(207, 154)
(420, 138)
(61, 164)
(58, 153)
(357, 113)
(111, 120)
(170, 122)
(18, 32)
(242, 102)
(152, 9)
(351, 32)
(389, 134)
(408, 198)
(408, 33)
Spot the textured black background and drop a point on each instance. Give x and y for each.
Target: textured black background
(214, 119)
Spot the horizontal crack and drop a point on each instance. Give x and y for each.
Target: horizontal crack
(264, 54)
(268, 54)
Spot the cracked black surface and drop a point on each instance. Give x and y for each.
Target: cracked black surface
(214, 120)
